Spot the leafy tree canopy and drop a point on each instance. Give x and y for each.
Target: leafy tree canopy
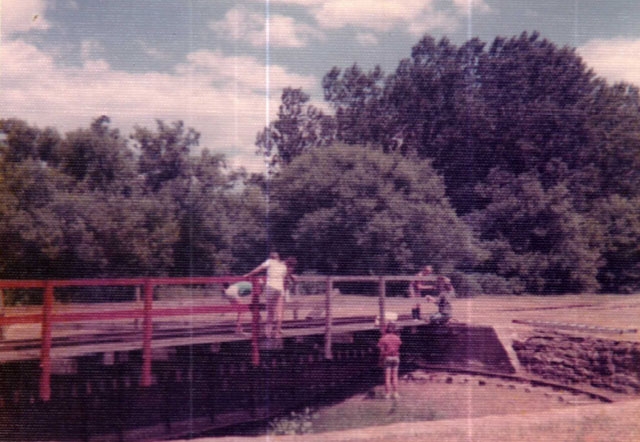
(354, 210)
(531, 144)
(94, 203)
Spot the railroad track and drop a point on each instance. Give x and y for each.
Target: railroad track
(591, 392)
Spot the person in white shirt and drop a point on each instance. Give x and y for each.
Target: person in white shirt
(276, 271)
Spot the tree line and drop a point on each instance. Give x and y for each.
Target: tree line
(94, 203)
(511, 167)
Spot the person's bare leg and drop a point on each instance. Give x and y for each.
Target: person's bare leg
(271, 307)
(394, 381)
(387, 382)
(279, 314)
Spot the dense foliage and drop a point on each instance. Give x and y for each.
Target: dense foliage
(511, 167)
(354, 210)
(539, 156)
(93, 203)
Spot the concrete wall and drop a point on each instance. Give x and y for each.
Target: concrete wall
(608, 364)
(458, 346)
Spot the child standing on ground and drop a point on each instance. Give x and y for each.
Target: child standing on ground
(389, 345)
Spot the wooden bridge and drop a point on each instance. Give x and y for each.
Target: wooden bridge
(122, 370)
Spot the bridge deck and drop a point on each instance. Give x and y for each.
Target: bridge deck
(79, 345)
(72, 339)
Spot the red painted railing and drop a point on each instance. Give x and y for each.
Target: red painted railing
(48, 317)
(147, 313)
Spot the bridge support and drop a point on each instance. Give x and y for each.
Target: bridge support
(45, 355)
(147, 335)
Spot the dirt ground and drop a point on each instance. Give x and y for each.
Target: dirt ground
(496, 411)
(509, 412)
(442, 396)
(603, 423)
(606, 311)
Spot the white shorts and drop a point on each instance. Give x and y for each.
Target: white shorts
(272, 294)
(391, 361)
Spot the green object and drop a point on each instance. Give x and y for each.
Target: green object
(244, 288)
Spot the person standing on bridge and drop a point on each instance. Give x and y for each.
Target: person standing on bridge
(276, 271)
(389, 345)
(425, 285)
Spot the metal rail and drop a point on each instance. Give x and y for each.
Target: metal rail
(591, 392)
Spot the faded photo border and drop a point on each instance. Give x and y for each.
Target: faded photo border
(263, 184)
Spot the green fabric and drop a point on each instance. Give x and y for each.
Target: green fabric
(244, 288)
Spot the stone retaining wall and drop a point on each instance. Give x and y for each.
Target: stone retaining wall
(570, 359)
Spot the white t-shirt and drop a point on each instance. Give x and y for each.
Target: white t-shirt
(276, 272)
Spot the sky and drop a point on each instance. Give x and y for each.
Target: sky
(221, 65)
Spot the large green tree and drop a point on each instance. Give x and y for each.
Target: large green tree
(495, 119)
(619, 220)
(355, 210)
(299, 126)
(535, 236)
(200, 188)
(516, 105)
(97, 158)
(94, 203)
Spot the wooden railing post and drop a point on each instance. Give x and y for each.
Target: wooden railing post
(255, 323)
(328, 353)
(147, 325)
(46, 339)
(381, 298)
(138, 299)
(1, 313)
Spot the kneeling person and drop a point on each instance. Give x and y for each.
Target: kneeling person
(445, 310)
(233, 293)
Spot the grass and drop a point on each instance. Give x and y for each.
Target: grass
(360, 412)
(600, 422)
(440, 396)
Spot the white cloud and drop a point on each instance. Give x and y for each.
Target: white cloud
(224, 98)
(416, 16)
(297, 2)
(366, 39)
(379, 15)
(150, 50)
(470, 6)
(434, 20)
(21, 16)
(240, 24)
(284, 31)
(615, 59)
